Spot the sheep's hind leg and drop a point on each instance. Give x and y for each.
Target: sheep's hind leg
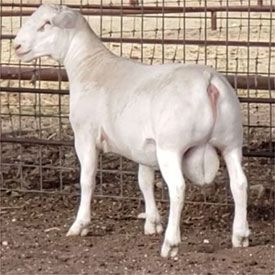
(238, 185)
(170, 166)
(87, 154)
(146, 183)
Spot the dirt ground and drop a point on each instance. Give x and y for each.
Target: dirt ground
(33, 228)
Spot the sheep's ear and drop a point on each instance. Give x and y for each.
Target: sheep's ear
(65, 20)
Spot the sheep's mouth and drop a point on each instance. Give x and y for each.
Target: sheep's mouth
(20, 55)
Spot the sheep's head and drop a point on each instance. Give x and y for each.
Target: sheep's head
(46, 33)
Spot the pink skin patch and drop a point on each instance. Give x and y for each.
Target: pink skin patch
(213, 93)
(103, 137)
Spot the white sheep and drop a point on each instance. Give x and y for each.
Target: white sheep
(172, 117)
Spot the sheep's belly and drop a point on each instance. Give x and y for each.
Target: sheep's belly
(146, 155)
(144, 152)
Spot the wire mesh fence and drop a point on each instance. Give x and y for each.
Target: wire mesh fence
(235, 37)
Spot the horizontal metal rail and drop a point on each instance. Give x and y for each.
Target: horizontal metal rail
(23, 73)
(64, 168)
(175, 41)
(188, 42)
(36, 141)
(259, 100)
(118, 197)
(34, 91)
(130, 10)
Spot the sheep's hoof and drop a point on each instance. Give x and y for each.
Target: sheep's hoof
(151, 228)
(78, 229)
(240, 241)
(169, 250)
(240, 236)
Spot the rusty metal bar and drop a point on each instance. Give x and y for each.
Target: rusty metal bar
(260, 2)
(258, 100)
(237, 81)
(253, 82)
(175, 41)
(118, 10)
(258, 154)
(213, 20)
(34, 91)
(189, 42)
(28, 73)
(35, 141)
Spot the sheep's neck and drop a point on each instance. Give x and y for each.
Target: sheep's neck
(85, 54)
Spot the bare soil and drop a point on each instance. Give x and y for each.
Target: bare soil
(33, 241)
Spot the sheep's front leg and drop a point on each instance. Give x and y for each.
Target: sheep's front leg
(238, 185)
(87, 154)
(170, 167)
(146, 183)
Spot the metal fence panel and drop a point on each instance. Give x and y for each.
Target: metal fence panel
(235, 37)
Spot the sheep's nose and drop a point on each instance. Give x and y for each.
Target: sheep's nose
(17, 46)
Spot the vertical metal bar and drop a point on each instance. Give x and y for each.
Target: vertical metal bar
(20, 115)
(156, 36)
(227, 37)
(200, 38)
(205, 54)
(121, 53)
(121, 177)
(40, 131)
(133, 35)
(142, 31)
(205, 32)
(101, 19)
(174, 58)
(271, 118)
(40, 127)
(248, 88)
(60, 130)
(213, 20)
(163, 34)
(184, 31)
(100, 175)
(226, 72)
(60, 136)
(121, 27)
(1, 149)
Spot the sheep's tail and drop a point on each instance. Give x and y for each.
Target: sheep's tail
(213, 93)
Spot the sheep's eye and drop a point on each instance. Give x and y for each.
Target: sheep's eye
(42, 28)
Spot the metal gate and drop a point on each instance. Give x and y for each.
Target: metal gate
(235, 37)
